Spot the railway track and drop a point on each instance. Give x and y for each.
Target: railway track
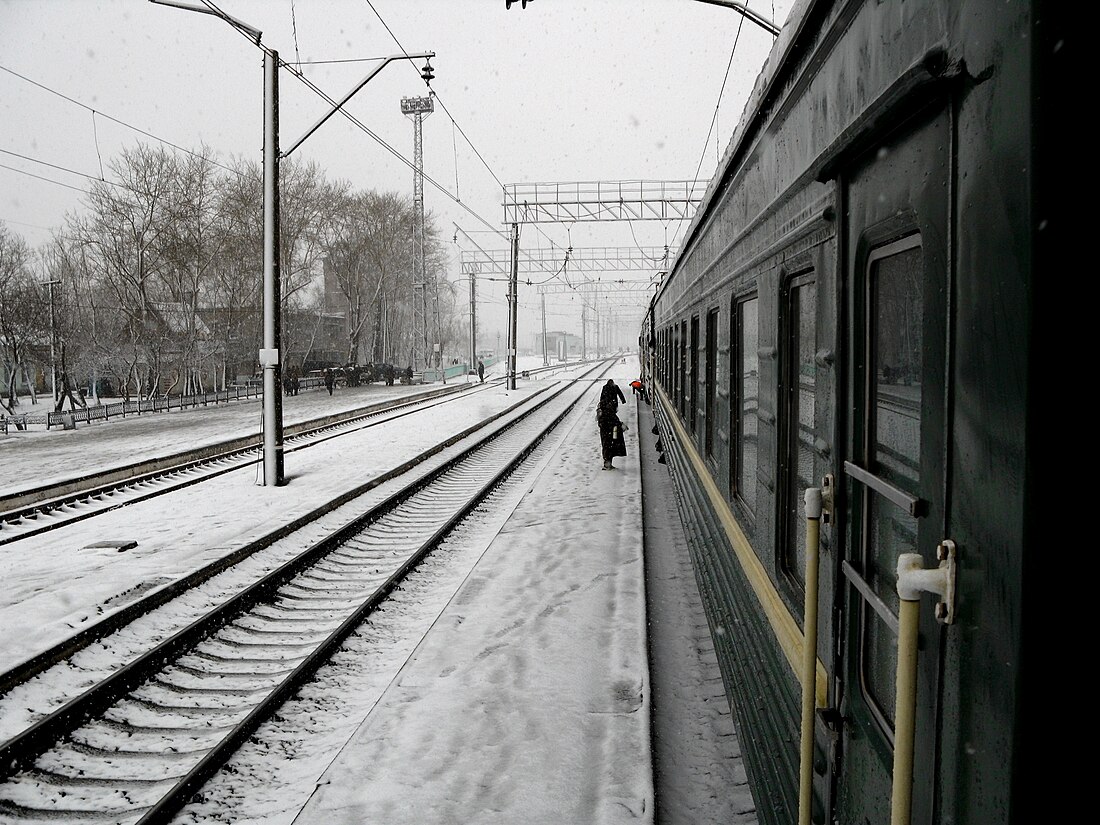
(136, 745)
(46, 508)
(172, 591)
(53, 510)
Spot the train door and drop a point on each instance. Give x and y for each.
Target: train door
(895, 476)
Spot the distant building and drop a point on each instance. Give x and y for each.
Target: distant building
(560, 346)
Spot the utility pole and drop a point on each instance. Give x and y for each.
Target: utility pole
(545, 361)
(53, 341)
(417, 108)
(584, 328)
(513, 307)
(473, 322)
(596, 306)
(270, 355)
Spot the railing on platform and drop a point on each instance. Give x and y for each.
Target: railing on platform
(105, 412)
(430, 376)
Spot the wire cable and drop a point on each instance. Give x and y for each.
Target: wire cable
(55, 166)
(115, 119)
(714, 118)
(469, 142)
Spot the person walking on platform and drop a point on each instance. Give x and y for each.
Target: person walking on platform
(607, 419)
(480, 370)
(330, 381)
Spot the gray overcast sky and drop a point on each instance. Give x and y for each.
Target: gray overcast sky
(564, 90)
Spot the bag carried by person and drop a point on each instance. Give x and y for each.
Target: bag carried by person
(618, 442)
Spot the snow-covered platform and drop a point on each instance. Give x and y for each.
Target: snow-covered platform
(528, 701)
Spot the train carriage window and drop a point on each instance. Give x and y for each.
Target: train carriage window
(693, 386)
(666, 371)
(672, 364)
(674, 373)
(800, 418)
(662, 354)
(745, 381)
(892, 443)
(712, 378)
(683, 368)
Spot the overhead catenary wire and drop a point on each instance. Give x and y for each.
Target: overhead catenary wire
(294, 29)
(60, 168)
(370, 133)
(137, 129)
(714, 117)
(47, 180)
(454, 122)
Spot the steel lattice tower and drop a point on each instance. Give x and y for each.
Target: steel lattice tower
(417, 108)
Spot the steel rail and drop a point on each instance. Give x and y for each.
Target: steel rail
(156, 598)
(186, 462)
(26, 747)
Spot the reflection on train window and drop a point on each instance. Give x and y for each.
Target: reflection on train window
(693, 386)
(894, 370)
(712, 377)
(892, 435)
(800, 420)
(747, 382)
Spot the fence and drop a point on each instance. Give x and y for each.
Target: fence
(430, 375)
(105, 412)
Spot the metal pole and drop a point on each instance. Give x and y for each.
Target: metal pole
(545, 361)
(438, 329)
(584, 329)
(473, 323)
(596, 306)
(269, 355)
(513, 308)
(742, 9)
(53, 344)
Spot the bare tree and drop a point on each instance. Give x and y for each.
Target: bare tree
(191, 247)
(125, 233)
(24, 316)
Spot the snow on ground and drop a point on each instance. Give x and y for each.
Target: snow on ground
(526, 701)
(35, 457)
(54, 584)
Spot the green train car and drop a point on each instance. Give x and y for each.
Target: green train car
(853, 313)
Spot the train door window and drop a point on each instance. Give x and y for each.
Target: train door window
(712, 378)
(746, 376)
(693, 385)
(892, 441)
(800, 418)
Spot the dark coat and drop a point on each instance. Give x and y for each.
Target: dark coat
(610, 396)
